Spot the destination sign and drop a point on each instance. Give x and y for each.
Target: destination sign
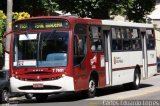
(48, 25)
(43, 24)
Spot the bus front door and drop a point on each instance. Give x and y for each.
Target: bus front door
(108, 56)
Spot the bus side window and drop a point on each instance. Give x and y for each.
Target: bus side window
(127, 44)
(136, 40)
(96, 38)
(136, 44)
(116, 39)
(150, 39)
(116, 45)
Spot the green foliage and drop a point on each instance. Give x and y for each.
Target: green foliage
(35, 7)
(50, 6)
(134, 10)
(2, 29)
(88, 8)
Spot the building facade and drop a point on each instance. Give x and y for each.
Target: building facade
(154, 18)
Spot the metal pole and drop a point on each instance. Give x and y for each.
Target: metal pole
(8, 29)
(9, 15)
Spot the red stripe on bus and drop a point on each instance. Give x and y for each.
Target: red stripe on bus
(154, 64)
(132, 67)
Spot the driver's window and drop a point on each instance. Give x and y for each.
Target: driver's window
(80, 45)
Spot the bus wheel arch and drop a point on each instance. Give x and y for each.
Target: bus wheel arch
(136, 79)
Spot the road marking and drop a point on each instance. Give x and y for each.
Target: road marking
(144, 92)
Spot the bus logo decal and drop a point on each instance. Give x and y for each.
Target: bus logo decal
(118, 60)
(93, 60)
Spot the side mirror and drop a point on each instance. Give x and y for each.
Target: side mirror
(6, 42)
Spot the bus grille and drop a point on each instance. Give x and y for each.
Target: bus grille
(45, 87)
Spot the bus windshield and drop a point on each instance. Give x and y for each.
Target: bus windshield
(43, 49)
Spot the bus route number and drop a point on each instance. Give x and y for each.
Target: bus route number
(58, 70)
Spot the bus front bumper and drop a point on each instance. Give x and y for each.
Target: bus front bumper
(63, 84)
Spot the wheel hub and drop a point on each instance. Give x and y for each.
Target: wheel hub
(92, 86)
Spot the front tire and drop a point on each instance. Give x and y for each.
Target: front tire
(91, 88)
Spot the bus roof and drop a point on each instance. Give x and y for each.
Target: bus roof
(92, 21)
(71, 18)
(126, 24)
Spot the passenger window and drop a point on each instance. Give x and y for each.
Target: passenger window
(127, 44)
(136, 44)
(116, 39)
(116, 45)
(129, 33)
(125, 38)
(136, 39)
(135, 33)
(96, 38)
(150, 39)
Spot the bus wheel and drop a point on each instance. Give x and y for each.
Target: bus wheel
(41, 97)
(136, 82)
(92, 88)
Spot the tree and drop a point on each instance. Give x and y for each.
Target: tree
(134, 10)
(2, 30)
(88, 8)
(35, 7)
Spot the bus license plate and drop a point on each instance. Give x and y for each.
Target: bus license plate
(37, 85)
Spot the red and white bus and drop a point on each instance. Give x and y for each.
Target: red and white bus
(63, 54)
